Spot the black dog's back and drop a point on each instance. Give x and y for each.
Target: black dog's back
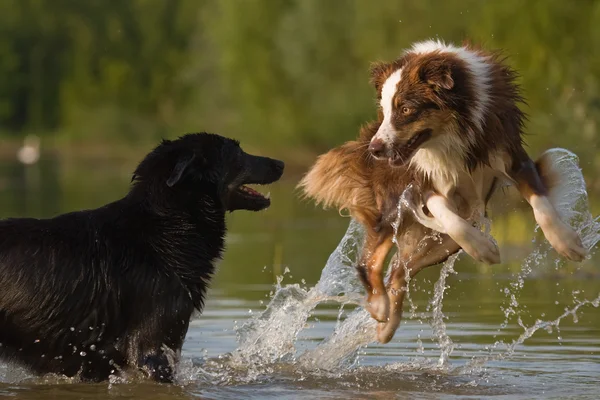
(91, 292)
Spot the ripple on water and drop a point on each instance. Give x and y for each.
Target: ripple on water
(283, 350)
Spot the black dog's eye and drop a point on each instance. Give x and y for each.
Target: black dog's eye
(407, 110)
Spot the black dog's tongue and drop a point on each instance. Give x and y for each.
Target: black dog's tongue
(250, 191)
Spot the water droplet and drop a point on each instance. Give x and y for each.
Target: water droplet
(83, 354)
(93, 347)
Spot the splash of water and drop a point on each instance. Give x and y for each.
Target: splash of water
(437, 321)
(267, 342)
(356, 331)
(571, 202)
(571, 197)
(270, 338)
(528, 332)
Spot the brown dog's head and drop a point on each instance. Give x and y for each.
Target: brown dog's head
(424, 98)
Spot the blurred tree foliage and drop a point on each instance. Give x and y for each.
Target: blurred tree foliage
(280, 74)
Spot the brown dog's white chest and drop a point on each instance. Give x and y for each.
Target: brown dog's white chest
(449, 177)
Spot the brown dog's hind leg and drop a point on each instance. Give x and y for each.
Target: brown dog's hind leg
(561, 236)
(370, 270)
(419, 254)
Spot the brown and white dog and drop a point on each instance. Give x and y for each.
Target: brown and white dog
(449, 129)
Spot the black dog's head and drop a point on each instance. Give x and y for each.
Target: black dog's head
(202, 165)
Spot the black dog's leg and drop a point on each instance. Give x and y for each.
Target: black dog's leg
(158, 367)
(162, 352)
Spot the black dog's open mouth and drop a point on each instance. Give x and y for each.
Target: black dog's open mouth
(244, 197)
(256, 171)
(402, 154)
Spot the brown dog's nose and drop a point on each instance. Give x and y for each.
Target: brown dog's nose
(377, 147)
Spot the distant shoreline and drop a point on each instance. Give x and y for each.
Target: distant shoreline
(297, 161)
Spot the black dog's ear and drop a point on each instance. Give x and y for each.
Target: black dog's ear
(179, 169)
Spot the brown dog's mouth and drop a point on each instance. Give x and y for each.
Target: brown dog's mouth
(402, 154)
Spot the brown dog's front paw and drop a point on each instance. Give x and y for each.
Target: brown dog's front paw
(386, 330)
(568, 244)
(564, 240)
(378, 305)
(487, 252)
(478, 246)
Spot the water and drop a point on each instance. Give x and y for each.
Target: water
(278, 324)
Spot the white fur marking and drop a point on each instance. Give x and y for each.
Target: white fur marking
(386, 131)
(478, 66)
(441, 159)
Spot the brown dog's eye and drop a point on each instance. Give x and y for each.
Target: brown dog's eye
(406, 110)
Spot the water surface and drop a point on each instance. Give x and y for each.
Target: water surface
(293, 240)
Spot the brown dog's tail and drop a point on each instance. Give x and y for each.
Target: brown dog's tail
(339, 178)
(336, 179)
(560, 173)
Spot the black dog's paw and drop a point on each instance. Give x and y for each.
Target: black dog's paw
(158, 368)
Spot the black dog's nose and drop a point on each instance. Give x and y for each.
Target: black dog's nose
(377, 147)
(278, 165)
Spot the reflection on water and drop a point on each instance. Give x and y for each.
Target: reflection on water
(327, 351)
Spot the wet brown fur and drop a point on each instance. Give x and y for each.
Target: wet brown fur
(439, 92)
(438, 87)
(348, 178)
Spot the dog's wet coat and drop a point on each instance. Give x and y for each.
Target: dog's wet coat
(91, 292)
(450, 125)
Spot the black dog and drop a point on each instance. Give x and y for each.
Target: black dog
(94, 292)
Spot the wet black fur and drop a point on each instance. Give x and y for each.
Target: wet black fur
(92, 292)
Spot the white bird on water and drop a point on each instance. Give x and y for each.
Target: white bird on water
(29, 153)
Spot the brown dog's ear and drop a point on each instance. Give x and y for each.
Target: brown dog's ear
(443, 79)
(378, 72)
(438, 74)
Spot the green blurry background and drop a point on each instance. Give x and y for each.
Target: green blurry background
(101, 81)
(288, 76)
